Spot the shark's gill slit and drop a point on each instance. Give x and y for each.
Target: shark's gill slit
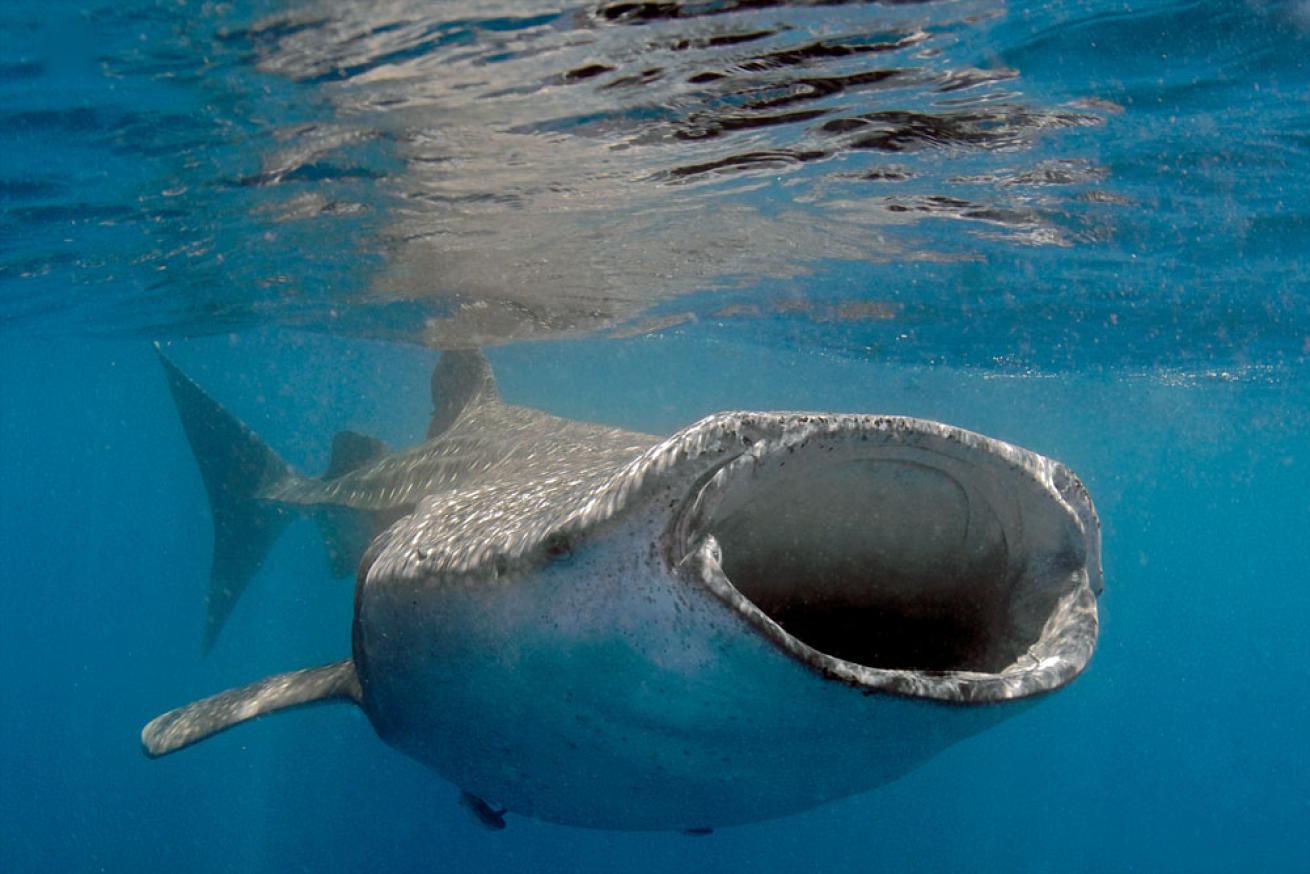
(895, 561)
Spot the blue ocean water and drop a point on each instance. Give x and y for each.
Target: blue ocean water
(1080, 227)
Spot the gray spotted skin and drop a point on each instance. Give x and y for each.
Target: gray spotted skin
(186, 725)
(758, 614)
(638, 666)
(489, 444)
(473, 439)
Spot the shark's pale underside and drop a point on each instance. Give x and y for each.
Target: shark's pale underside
(760, 613)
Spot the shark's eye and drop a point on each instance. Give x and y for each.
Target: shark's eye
(558, 547)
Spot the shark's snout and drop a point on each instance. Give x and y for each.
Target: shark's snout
(901, 555)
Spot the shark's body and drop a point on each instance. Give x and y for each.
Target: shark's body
(475, 443)
(761, 613)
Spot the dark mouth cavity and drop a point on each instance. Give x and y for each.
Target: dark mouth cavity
(893, 561)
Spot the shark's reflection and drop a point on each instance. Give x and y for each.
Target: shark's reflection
(555, 170)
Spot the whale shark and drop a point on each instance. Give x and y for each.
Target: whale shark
(758, 614)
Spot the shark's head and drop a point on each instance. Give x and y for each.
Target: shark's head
(893, 554)
(679, 635)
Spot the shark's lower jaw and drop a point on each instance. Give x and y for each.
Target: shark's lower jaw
(903, 556)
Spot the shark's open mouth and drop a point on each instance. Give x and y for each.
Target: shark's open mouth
(904, 550)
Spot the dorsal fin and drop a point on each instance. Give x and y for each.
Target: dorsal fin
(461, 379)
(348, 532)
(351, 451)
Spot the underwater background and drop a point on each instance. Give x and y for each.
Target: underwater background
(1079, 227)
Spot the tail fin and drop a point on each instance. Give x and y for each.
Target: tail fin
(236, 467)
(186, 725)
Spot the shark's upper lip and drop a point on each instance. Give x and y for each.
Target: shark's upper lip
(900, 555)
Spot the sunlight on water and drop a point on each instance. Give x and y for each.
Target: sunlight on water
(917, 180)
(565, 169)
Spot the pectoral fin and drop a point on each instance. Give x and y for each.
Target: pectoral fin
(186, 725)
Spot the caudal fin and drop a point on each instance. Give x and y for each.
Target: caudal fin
(237, 467)
(186, 725)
